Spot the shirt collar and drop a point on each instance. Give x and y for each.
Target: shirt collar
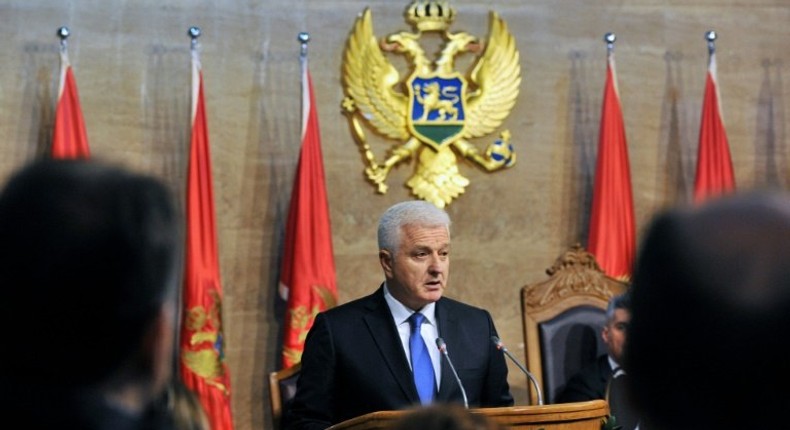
(401, 314)
(613, 364)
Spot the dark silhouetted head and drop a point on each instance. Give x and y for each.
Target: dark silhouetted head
(711, 315)
(87, 259)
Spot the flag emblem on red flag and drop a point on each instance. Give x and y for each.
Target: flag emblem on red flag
(203, 367)
(612, 232)
(307, 276)
(714, 165)
(69, 139)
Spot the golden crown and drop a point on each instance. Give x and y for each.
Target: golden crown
(430, 15)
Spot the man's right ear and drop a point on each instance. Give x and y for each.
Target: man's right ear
(385, 258)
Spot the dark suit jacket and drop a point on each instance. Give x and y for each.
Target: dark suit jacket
(589, 383)
(354, 363)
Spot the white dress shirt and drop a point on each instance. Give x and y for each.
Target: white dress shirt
(429, 330)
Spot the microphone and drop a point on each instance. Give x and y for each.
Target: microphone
(443, 349)
(501, 346)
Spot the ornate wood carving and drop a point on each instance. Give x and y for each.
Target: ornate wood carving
(575, 272)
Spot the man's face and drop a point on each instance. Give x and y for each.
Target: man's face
(614, 333)
(417, 273)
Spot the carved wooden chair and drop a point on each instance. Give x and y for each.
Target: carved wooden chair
(563, 317)
(282, 389)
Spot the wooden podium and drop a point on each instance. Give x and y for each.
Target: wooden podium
(566, 416)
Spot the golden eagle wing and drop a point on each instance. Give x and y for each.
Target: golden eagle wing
(369, 79)
(497, 76)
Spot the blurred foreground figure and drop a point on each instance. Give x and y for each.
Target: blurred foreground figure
(711, 316)
(87, 259)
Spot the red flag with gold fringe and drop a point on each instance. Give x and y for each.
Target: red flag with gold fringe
(203, 367)
(307, 276)
(612, 232)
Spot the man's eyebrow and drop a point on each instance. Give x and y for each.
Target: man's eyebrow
(424, 247)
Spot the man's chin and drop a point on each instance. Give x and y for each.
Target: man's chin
(433, 295)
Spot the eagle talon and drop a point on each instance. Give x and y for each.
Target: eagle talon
(378, 175)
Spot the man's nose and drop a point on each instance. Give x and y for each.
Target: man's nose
(437, 264)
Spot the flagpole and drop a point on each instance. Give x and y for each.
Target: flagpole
(63, 34)
(304, 38)
(194, 49)
(711, 36)
(609, 38)
(194, 33)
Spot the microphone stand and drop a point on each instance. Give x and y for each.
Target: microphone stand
(501, 346)
(443, 349)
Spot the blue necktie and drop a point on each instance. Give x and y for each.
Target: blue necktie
(421, 364)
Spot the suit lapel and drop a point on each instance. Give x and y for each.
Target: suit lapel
(385, 335)
(448, 330)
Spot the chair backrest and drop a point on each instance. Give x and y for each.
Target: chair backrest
(563, 317)
(282, 389)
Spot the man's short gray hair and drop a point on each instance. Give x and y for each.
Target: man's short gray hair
(412, 212)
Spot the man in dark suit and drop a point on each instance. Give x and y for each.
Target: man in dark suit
(358, 357)
(591, 381)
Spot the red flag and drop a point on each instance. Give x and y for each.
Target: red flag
(69, 140)
(203, 367)
(612, 232)
(714, 166)
(307, 276)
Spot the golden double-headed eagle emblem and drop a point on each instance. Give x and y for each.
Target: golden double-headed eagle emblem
(436, 110)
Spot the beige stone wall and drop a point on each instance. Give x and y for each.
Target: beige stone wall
(131, 61)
